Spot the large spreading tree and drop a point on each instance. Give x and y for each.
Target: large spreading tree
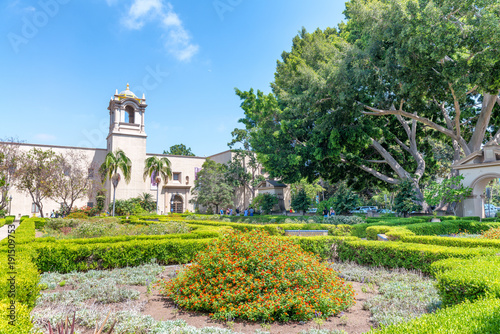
(364, 99)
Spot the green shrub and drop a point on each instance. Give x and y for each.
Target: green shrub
(406, 255)
(372, 231)
(22, 324)
(2, 222)
(253, 276)
(67, 257)
(467, 318)
(452, 241)
(9, 219)
(472, 279)
(339, 230)
(450, 227)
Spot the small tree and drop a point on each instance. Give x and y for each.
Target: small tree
(212, 187)
(406, 200)
(9, 158)
(301, 201)
(450, 191)
(265, 202)
(35, 175)
(71, 179)
(344, 199)
(160, 169)
(109, 169)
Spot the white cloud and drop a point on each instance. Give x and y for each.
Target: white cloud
(45, 137)
(177, 39)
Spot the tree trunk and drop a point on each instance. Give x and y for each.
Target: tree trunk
(157, 189)
(114, 194)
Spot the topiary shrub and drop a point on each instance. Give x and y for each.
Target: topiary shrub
(260, 278)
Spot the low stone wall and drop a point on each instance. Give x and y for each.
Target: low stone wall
(306, 233)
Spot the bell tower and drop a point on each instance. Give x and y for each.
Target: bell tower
(127, 132)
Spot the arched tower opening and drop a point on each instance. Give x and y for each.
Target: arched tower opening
(129, 114)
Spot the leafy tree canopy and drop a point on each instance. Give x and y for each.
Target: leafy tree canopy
(179, 149)
(212, 188)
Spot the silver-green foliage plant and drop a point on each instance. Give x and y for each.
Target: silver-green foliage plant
(343, 220)
(403, 295)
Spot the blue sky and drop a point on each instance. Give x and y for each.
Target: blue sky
(61, 61)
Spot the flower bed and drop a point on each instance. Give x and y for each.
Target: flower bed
(255, 277)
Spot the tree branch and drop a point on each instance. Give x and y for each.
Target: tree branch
(426, 121)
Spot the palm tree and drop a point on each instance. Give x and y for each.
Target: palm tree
(160, 167)
(109, 169)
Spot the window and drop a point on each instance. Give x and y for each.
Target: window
(129, 114)
(90, 204)
(263, 171)
(35, 208)
(176, 176)
(91, 173)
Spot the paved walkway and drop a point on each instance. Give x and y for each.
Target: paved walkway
(4, 230)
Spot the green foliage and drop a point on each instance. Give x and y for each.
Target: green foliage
(212, 189)
(472, 279)
(23, 324)
(449, 191)
(67, 257)
(265, 202)
(113, 162)
(253, 276)
(406, 200)
(35, 175)
(301, 202)
(159, 169)
(179, 149)
(311, 188)
(405, 255)
(100, 200)
(344, 199)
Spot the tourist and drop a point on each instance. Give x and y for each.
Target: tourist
(251, 211)
(332, 212)
(325, 212)
(246, 213)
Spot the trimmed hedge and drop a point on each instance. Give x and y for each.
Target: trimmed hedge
(69, 257)
(202, 234)
(19, 279)
(406, 255)
(452, 241)
(467, 318)
(450, 226)
(459, 280)
(22, 324)
(324, 247)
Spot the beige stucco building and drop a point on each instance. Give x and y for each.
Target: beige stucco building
(127, 131)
